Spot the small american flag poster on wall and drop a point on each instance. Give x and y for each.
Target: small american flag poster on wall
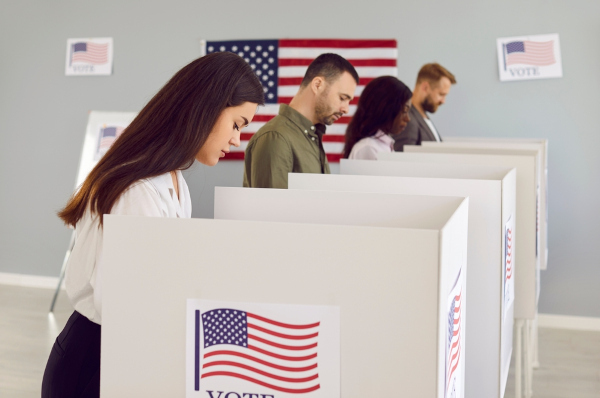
(236, 349)
(529, 57)
(89, 57)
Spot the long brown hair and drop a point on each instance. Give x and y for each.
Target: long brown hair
(379, 104)
(168, 132)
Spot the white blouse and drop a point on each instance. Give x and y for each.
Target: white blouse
(368, 147)
(152, 197)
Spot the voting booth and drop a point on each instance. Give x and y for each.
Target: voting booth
(397, 314)
(527, 264)
(507, 146)
(491, 192)
(409, 213)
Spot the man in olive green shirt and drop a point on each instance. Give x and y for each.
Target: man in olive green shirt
(293, 140)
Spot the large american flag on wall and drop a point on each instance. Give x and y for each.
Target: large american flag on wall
(281, 64)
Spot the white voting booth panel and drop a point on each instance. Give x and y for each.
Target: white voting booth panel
(491, 205)
(507, 146)
(392, 326)
(526, 262)
(431, 273)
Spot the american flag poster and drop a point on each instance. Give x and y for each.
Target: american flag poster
(508, 269)
(88, 57)
(280, 64)
(454, 341)
(262, 350)
(107, 134)
(529, 57)
(537, 221)
(102, 130)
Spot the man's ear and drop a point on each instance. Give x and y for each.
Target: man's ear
(317, 84)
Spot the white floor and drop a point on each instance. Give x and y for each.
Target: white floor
(570, 360)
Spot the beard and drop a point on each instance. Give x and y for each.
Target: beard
(429, 106)
(323, 113)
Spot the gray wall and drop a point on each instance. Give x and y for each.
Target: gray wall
(44, 113)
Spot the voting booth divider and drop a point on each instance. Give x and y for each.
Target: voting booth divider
(507, 146)
(491, 192)
(397, 313)
(526, 260)
(401, 215)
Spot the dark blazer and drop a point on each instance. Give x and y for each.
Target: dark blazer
(414, 133)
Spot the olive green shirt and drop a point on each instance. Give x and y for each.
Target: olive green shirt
(288, 143)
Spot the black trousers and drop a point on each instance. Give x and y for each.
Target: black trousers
(73, 368)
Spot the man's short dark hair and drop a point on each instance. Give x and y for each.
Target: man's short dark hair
(330, 67)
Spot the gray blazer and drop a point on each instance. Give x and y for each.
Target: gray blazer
(415, 132)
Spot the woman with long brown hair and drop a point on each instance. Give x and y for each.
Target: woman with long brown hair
(382, 111)
(197, 115)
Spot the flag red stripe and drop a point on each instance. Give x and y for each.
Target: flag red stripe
(296, 81)
(326, 138)
(282, 346)
(285, 336)
(284, 357)
(337, 43)
(334, 138)
(283, 325)
(262, 362)
(453, 369)
(262, 372)
(266, 118)
(261, 383)
(287, 100)
(262, 118)
(334, 157)
(83, 57)
(354, 62)
(234, 156)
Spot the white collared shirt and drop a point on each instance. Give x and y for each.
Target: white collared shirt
(152, 197)
(432, 128)
(368, 147)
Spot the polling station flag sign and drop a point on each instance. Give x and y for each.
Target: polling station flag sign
(107, 135)
(268, 350)
(508, 271)
(529, 57)
(102, 129)
(280, 64)
(88, 57)
(454, 341)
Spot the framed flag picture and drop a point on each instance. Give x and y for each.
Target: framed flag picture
(529, 57)
(236, 349)
(507, 271)
(454, 341)
(280, 64)
(103, 128)
(89, 57)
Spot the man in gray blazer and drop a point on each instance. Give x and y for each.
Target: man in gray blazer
(432, 87)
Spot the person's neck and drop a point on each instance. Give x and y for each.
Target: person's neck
(304, 107)
(419, 107)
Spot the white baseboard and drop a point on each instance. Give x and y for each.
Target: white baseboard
(544, 320)
(569, 322)
(45, 282)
